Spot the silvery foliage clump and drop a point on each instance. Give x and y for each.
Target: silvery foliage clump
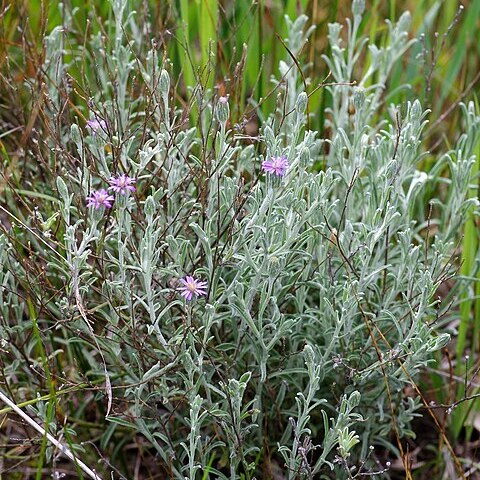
(321, 304)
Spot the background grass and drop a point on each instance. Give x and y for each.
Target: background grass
(234, 47)
(195, 35)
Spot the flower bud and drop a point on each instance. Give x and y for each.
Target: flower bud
(274, 266)
(164, 83)
(302, 102)
(309, 355)
(358, 7)
(354, 399)
(149, 207)
(304, 157)
(269, 137)
(358, 98)
(62, 189)
(223, 109)
(75, 134)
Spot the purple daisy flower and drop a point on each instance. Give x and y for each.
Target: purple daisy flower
(276, 166)
(100, 198)
(96, 125)
(122, 184)
(191, 287)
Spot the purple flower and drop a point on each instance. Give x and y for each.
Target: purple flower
(192, 286)
(122, 184)
(100, 198)
(276, 166)
(96, 125)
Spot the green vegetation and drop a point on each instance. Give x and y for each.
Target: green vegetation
(323, 184)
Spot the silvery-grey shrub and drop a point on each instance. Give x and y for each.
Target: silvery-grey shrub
(321, 302)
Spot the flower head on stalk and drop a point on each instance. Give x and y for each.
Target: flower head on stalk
(99, 198)
(122, 184)
(191, 286)
(96, 125)
(275, 166)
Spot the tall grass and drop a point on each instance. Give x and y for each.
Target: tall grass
(207, 32)
(234, 49)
